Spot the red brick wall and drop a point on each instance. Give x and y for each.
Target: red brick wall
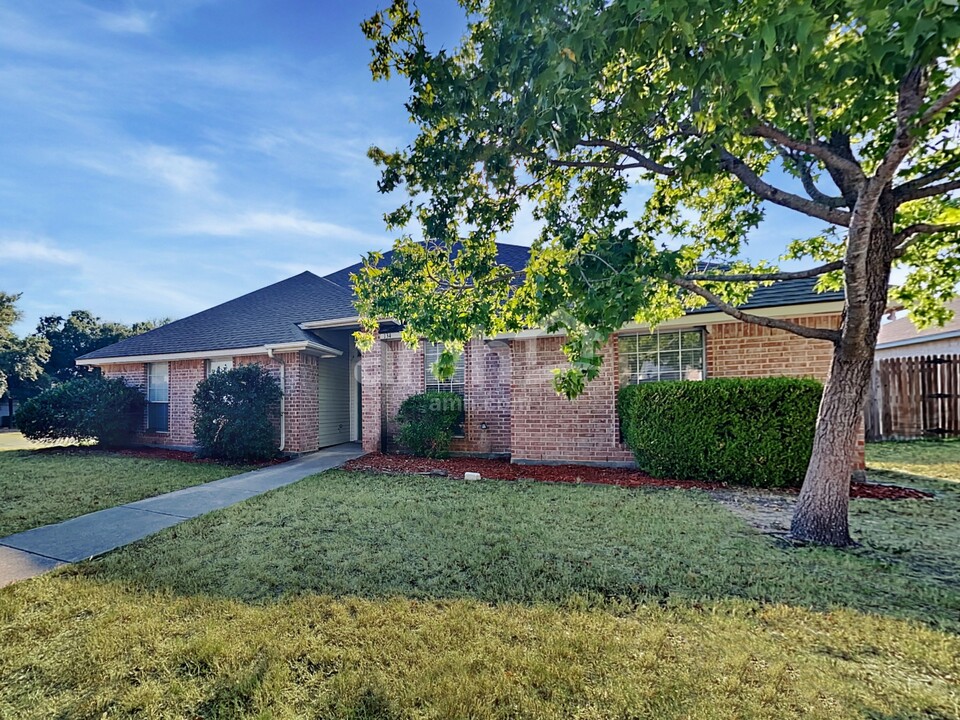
(487, 398)
(184, 376)
(738, 349)
(300, 400)
(548, 428)
(511, 390)
(396, 372)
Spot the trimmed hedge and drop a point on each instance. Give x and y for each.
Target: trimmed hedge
(236, 415)
(428, 422)
(92, 408)
(741, 431)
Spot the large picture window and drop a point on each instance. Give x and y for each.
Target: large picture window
(158, 397)
(675, 355)
(455, 384)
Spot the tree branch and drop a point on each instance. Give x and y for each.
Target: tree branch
(735, 312)
(641, 159)
(618, 167)
(821, 152)
(766, 277)
(936, 174)
(918, 193)
(806, 178)
(765, 190)
(941, 104)
(910, 234)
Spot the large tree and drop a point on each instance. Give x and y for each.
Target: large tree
(843, 111)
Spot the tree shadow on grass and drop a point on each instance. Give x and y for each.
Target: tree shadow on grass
(376, 536)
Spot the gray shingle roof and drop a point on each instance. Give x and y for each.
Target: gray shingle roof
(272, 314)
(786, 292)
(264, 317)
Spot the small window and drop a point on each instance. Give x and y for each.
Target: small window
(677, 355)
(455, 384)
(158, 397)
(219, 365)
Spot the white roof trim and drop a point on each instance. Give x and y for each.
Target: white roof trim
(336, 322)
(949, 334)
(212, 354)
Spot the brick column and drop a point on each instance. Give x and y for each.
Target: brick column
(371, 388)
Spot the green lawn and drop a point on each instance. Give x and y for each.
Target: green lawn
(931, 458)
(362, 596)
(38, 487)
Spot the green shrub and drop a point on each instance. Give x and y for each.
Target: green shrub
(91, 408)
(741, 431)
(236, 415)
(428, 422)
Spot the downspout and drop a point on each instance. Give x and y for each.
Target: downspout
(283, 394)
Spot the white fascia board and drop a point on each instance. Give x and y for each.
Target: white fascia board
(317, 348)
(336, 322)
(214, 354)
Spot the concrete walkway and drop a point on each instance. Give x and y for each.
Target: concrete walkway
(35, 551)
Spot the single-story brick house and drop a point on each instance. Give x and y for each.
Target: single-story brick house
(301, 328)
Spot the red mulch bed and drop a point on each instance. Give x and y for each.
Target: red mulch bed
(504, 470)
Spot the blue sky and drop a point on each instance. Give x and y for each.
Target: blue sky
(160, 157)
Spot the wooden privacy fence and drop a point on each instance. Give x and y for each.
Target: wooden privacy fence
(913, 398)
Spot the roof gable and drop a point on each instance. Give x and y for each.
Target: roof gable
(266, 316)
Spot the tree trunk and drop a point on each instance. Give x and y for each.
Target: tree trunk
(821, 513)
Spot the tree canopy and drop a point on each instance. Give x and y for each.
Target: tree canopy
(566, 106)
(21, 359)
(842, 111)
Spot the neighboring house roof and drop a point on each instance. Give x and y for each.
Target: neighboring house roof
(273, 315)
(903, 332)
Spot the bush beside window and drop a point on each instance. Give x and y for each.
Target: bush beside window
(91, 408)
(428, 422)
(236, 415)
(741, 431)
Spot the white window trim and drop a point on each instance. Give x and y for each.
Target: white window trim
(621, 353)
(149, 369)
(220, 361)
(432, 384)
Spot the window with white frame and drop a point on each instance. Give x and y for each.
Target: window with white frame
(666, 355)
(219, 365)
(158, 397)
(431, 353)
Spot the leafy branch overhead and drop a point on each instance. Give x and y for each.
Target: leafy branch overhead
(843, 111)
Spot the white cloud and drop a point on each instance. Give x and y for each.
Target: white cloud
(264, 223)
(132, 22)
(36, 250)
(181, 172)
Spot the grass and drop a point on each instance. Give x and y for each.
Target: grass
(38, 487)
(368, 596)
(930, 458)
(365, 596)
(376, 536)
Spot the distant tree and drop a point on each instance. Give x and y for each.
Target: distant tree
(21, 359)
(79, 333)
